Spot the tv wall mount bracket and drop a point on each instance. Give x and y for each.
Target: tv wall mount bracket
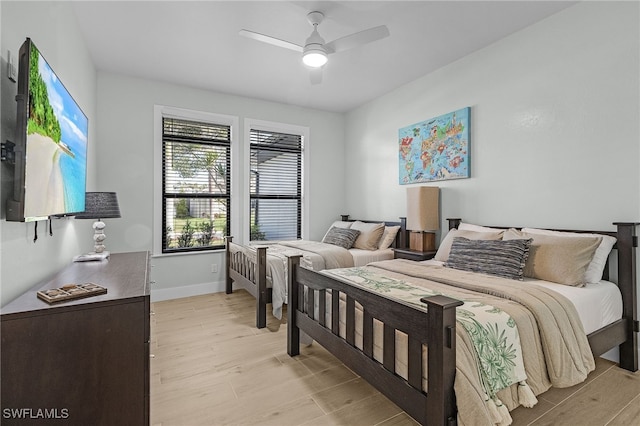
(7, 152)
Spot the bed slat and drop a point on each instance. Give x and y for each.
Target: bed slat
(335, 312)
(389, 348)
(351, 321)
(322, 307)
(367, 334)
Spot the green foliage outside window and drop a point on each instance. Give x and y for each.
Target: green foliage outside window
(182, 209)
(186, 237)
(256, 233)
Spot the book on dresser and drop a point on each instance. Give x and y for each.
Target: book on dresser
(79, 361)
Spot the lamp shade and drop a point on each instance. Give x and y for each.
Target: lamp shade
(422, 208)
(100, 205)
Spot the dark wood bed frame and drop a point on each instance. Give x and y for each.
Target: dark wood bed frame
(435, 328)
(250, 272)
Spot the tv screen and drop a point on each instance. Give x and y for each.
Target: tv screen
(52, 131)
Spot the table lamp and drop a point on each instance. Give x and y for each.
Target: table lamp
(422, 217)
(100, 205)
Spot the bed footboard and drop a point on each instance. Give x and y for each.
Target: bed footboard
(435, 328)
(249, 272)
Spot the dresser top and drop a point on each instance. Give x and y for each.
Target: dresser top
(124, 275)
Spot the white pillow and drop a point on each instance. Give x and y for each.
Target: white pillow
(477, 228)
(388, 236)
(596, 266)
(445, 245)
(370, 234)
(338, 224)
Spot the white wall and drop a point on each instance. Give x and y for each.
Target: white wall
(125, 165)
(554, 127)
(53, 28)
(555, 136)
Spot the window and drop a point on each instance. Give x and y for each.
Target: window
(275, 185)
(196, 184)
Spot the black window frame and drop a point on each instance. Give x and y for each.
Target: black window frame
(224, 197)
(266, 142)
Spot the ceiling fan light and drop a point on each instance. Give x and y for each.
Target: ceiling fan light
(314, 58)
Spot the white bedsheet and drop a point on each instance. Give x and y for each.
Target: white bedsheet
(597, 304)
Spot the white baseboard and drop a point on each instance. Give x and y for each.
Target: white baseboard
(159, 294)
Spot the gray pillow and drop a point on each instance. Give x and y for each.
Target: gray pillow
(495, 257)
(342, 237)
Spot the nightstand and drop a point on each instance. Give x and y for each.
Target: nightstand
(413, 254)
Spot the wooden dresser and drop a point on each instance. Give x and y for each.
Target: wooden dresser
(80, 362)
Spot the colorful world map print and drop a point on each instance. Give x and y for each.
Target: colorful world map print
(435, 149)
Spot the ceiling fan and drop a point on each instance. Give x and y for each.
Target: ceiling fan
(315, 51)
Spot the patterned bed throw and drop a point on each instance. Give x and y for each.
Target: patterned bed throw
(514, 341)
(493, 332)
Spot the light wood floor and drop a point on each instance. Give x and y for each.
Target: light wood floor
(211, 366)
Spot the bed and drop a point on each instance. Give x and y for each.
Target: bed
(362, 327)
(262, 269)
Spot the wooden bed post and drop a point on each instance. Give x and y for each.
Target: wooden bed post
(627, 277)
(293, 332)
(454, 222)
(261, 288)
(404, 234)
(229, 282)
(441, 364)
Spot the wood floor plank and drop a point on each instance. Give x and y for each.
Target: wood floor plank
(343, 395)
(292, 412)
(630, 415)
(211, 366)
(597, 402)
(402, 419)
(371, 410)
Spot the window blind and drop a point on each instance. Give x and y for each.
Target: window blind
(196, 164)
(275, 185)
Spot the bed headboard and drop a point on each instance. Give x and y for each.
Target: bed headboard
(626, 244)
(402, 237)
(632, 239)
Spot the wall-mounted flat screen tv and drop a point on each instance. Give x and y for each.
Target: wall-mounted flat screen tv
(51, 144)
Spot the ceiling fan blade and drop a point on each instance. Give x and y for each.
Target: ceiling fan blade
(315, 75)
(271, 40)
(357, 39)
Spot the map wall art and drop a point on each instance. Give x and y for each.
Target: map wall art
(435, 149)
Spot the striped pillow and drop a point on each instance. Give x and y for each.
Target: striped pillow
(495, 257)
(342, 237)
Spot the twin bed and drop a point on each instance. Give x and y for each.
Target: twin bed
(391, 322)
(262, 269)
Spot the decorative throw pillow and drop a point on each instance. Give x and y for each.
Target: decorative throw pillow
(445, 245)
(599, 261)
(388, 236)
(342, 237)
(562, 260)
(338, 224)
(495, 257)
(370, 234)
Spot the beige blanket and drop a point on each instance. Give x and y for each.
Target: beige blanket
(554, 346)
(319, 256)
